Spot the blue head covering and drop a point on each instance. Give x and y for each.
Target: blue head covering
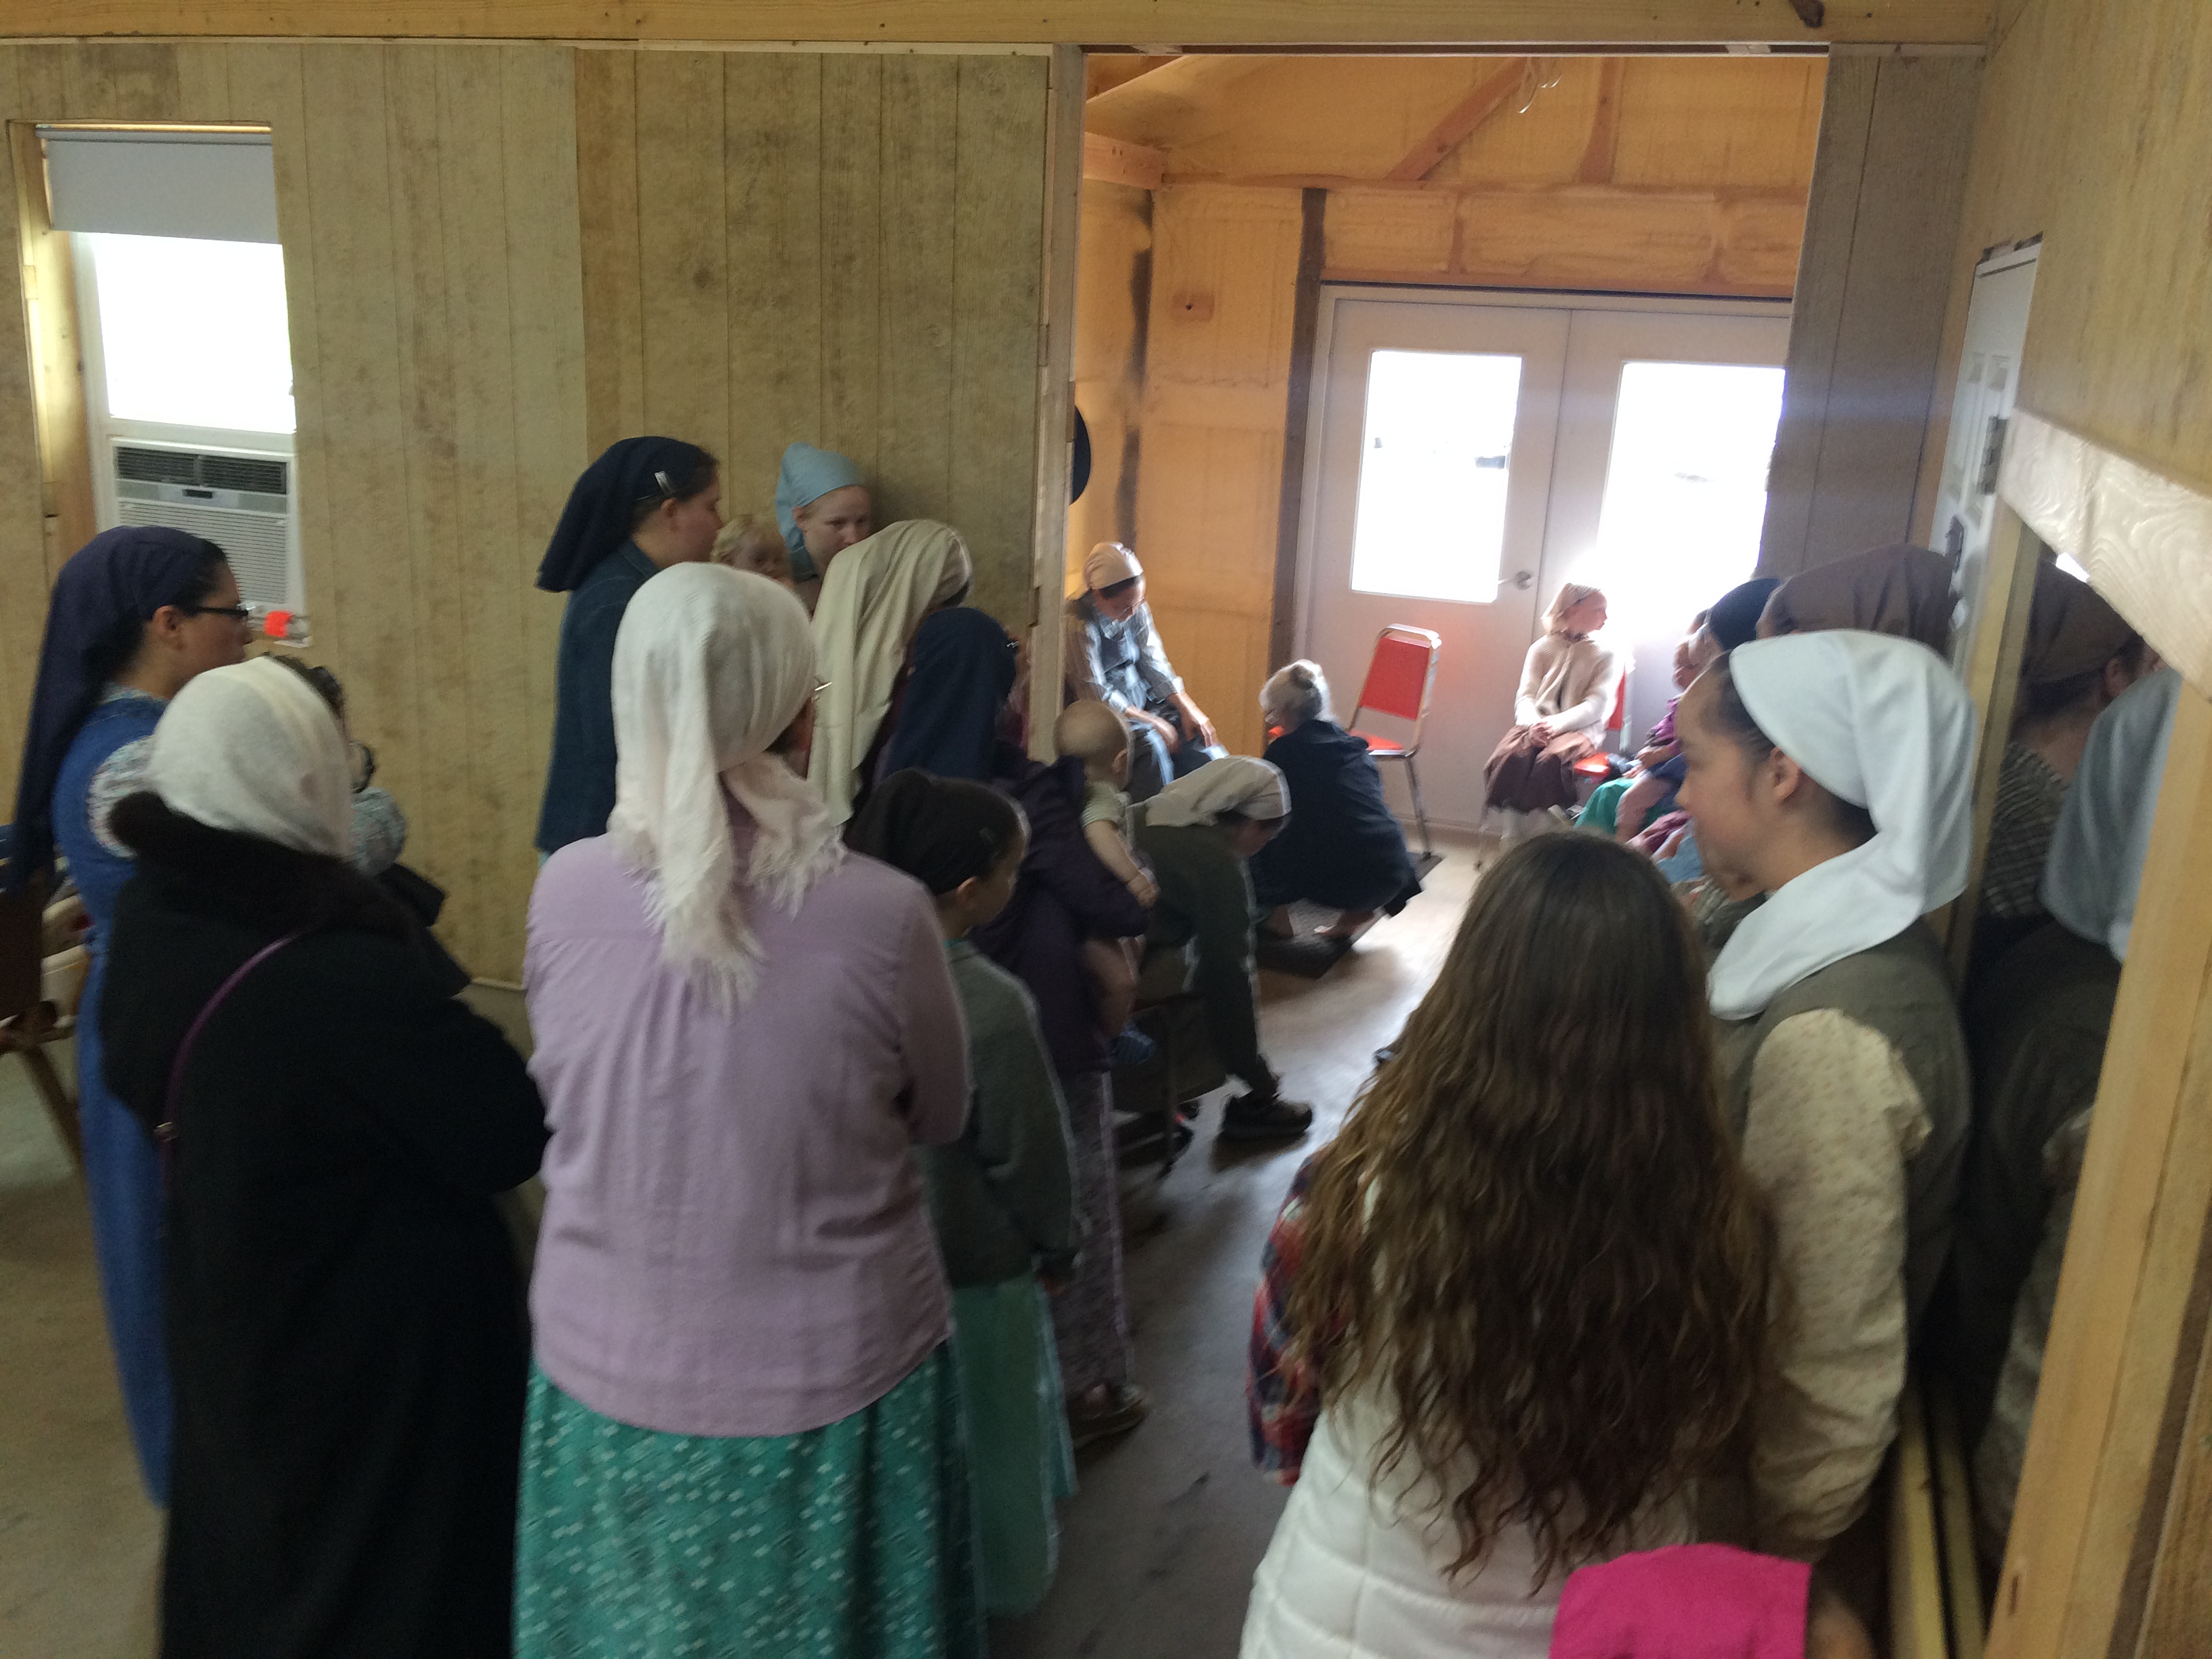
(603, 507)
(963, 667)
(2095, 865)
(118, 576)
(808, 475)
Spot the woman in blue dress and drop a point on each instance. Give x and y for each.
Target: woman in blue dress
(134, 615)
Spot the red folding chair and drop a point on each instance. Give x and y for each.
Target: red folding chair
(1599, 764)
(1399, 678)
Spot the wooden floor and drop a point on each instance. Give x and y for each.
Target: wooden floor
(1157, 1548)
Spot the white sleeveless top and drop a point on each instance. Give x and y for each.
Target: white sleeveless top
(1355, 1572)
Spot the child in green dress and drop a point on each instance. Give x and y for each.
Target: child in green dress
(1002, 1196)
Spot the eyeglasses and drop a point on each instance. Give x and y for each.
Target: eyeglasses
(237, 613)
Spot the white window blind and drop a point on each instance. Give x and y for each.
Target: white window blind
(210, 187)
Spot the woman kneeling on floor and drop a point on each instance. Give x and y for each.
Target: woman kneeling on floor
(1516, 1307)
(1342, 848)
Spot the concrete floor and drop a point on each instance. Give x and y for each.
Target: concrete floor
(1157, 1549)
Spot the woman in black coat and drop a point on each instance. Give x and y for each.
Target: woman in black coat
(346, 1332)
(1342, 847)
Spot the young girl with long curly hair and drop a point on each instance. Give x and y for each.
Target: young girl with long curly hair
(1517, 1308)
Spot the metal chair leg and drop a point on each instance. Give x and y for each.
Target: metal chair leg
(1420, 812)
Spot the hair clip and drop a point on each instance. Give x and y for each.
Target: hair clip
(666, 487)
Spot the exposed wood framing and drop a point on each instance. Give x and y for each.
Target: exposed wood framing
(1605, 126)
(1105, 70)
(1460, 121)
(1305, 321)
(1064, 169)
(2145, 540)
(1916, 1585)
(1117, 161)
(1186, 23)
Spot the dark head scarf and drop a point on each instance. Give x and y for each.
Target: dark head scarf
(1901, 590)
(603, 507)
(941, 831)
(1734, 619)
(118, 576)
(2071, 631)
(948, 723)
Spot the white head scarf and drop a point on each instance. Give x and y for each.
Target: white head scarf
(711, 666)
(1236, 783)
(1882, 723)
(2096, 861)
(875, 596)
(253, 748)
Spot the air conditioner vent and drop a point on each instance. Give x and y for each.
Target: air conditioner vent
(243, 472)
(176, 466)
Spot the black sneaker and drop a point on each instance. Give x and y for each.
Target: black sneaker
(1248, 1117)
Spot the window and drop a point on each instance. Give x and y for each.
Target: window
(1434, 463)
(192, 333)
(1685, 487)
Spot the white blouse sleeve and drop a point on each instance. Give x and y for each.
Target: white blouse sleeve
(1533, 667)
(1834, 1120)
(1595, 709)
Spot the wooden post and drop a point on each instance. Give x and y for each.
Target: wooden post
(1063, 219)
(1999, 638)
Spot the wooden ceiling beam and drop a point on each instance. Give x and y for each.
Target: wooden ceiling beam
(1605, 126)
(1492, 24)
(1724, 194)
(1103, 71)
(1460, 121)
(1118, 161)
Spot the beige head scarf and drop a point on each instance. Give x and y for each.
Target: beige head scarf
(1236, 783)
(1902, 591)
(711, 667)
(254, 749)
(875, 596)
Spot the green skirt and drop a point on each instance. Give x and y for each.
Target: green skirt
(851, 1540)
(1017, 1446)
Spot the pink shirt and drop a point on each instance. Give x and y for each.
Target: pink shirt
(735, 1240)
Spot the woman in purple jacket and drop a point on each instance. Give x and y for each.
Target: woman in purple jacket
(949, 723)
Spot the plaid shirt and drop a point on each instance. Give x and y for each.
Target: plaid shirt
(2029, 795)
(1282, 1398)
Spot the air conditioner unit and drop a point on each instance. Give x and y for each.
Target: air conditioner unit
(241, 500)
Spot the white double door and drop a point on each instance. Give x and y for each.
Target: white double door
(1472, 457)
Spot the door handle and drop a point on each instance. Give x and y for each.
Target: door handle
(1523, 580)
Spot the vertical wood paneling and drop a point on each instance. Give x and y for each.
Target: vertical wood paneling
(684, 252)
(1868, 326)
(499, 258)
(428, 525)
(914, 442)
(614, 300)
(996, 298)
(852, 175)
(772, 132)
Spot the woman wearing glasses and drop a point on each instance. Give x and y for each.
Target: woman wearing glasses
(136, 615)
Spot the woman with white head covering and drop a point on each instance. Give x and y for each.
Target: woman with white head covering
(1828, 772)
(740, 1312)
(2038, 1024)
(1570, 683)
(1198, 832)
(873, 599)
(345, 1332)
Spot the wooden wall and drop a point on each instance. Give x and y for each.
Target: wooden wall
(1866, 329)
(1113, 310)
(2094, 121)
(1667, 175)
(499, 258)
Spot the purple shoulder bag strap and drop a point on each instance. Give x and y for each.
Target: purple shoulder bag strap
(166, 1133)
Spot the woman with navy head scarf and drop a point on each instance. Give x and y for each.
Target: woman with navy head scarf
(646, 504)
(134, 615)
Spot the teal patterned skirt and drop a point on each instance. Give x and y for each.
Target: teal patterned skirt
(849, 1540)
